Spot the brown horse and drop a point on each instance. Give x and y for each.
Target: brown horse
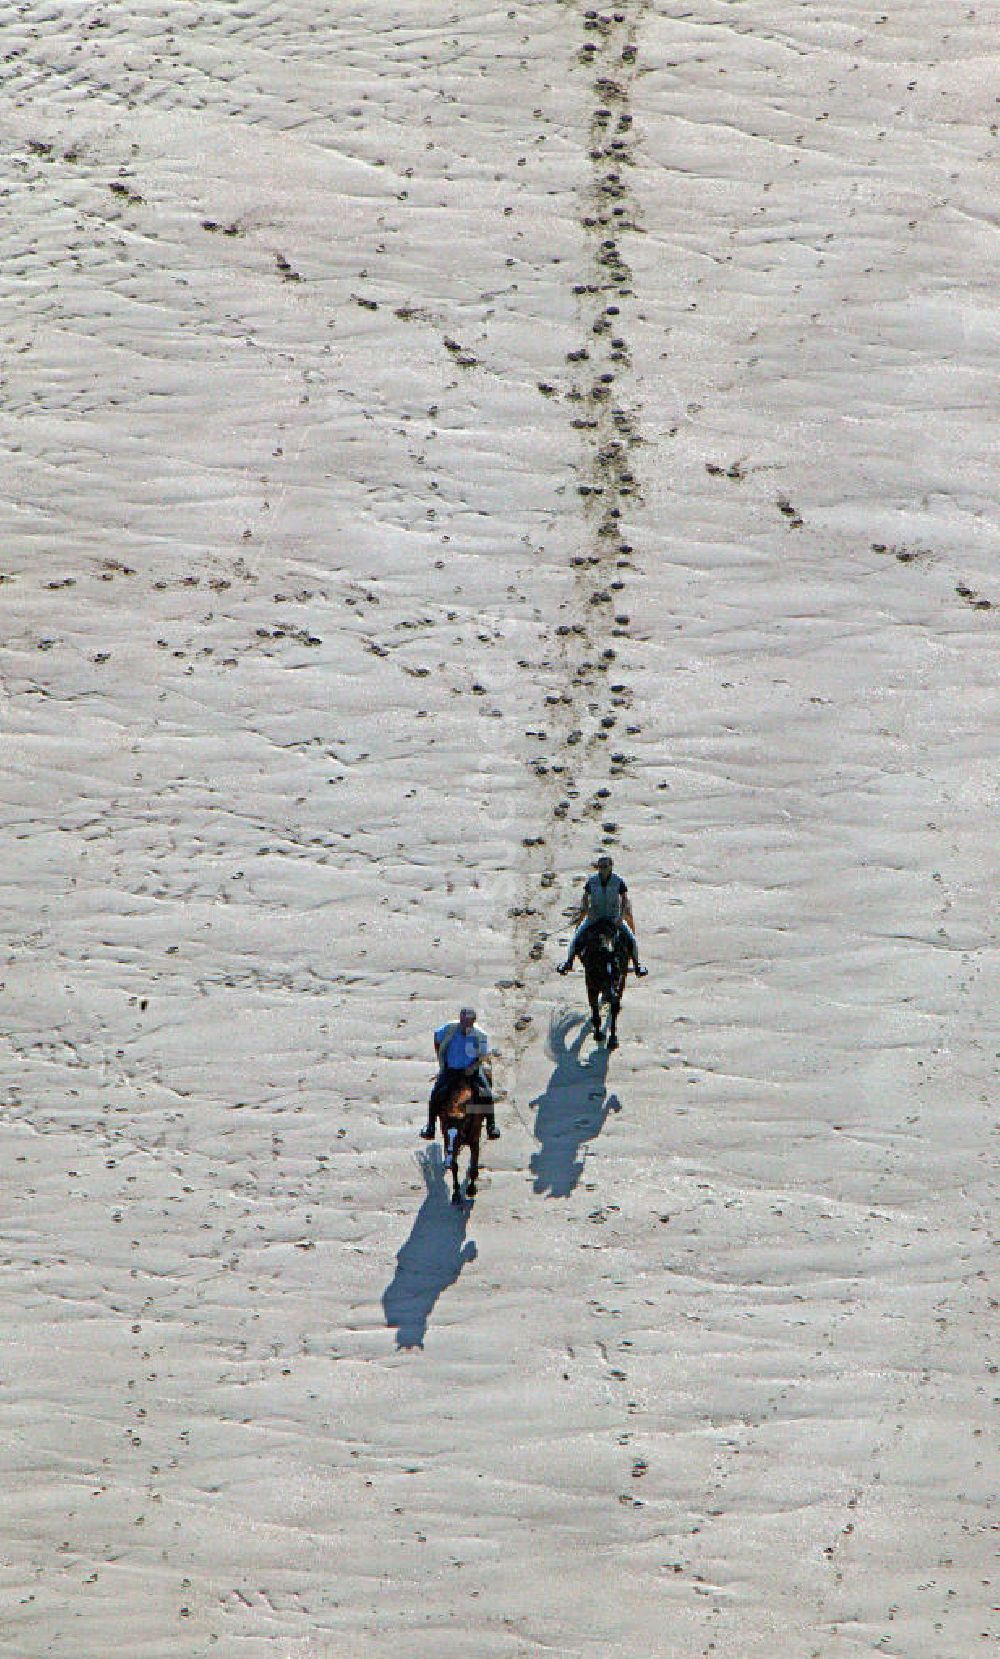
(605, 964)
(460, 1127)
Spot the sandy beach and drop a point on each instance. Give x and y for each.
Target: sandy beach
(441, 443)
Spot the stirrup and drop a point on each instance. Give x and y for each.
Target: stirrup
(427, 1132)
(564, 967)
(492, 1132)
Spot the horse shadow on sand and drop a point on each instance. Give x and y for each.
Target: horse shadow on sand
(573, 1108)
(431, 1259)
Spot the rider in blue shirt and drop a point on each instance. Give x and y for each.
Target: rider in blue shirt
(461, 1048)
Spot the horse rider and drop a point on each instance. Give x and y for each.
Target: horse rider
(605, 899)
(461, 1050)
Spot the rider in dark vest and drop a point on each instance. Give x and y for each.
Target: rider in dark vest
(605, 899)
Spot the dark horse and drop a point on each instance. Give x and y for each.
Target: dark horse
(461, 1120)
(605, 962)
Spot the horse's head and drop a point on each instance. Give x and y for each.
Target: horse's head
(605, 954)
(458, 1102)
(603, 939)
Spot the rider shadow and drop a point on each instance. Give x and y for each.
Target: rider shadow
(431, 1259)
(573, 1109)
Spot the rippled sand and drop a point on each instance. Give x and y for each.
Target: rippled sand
(440, 441)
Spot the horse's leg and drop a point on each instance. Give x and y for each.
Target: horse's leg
(616, 1008)
(593, 993)
(451, 1160)
(475, 1136)
(605, 988)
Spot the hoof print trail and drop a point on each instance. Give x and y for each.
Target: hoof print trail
(609, 435)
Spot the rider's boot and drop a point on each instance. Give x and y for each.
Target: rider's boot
(639, 970)
(564, 967)
(492, 1132)
(427, 1132)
